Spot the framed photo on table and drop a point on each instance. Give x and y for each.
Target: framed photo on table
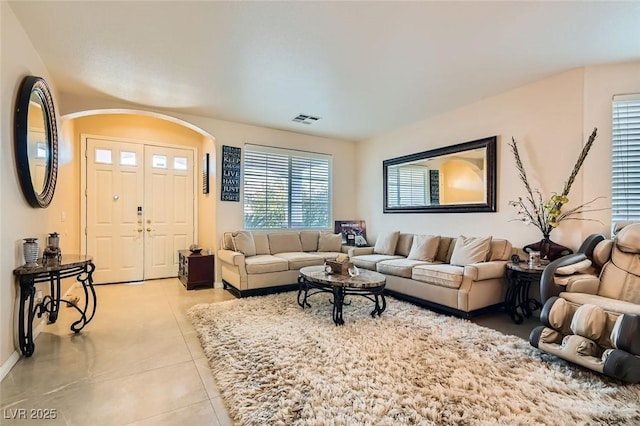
(354, 232)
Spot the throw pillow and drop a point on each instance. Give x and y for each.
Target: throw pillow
(330, 242)
(386, 243)
(470, 250)
(243, 242)
(424, 247)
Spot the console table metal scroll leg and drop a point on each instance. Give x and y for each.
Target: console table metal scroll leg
(27, 293)
(86, 279)
(54, 297)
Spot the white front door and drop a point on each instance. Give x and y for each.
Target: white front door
(168, 199)
(140, 207)
(115, 237)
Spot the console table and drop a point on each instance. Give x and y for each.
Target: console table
(53, 271)
(519, 279)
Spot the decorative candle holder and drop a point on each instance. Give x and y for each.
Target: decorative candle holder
(52, 253)
(30, 252)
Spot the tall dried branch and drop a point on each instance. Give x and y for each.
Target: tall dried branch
(578, 165)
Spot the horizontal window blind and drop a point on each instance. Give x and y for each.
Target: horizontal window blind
(407, 186)
(286, 189)
(625, 158)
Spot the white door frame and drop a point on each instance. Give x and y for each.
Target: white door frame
(83, 180)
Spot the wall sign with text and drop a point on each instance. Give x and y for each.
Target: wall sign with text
(231, 157)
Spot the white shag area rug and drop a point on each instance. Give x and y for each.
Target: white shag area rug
(277, 364)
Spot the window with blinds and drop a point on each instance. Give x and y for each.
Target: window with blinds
(407, 186)
(625, 158)
(286, 189)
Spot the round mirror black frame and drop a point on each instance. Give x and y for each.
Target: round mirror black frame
(38, 86)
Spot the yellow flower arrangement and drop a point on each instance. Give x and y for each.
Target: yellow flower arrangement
(547, 214)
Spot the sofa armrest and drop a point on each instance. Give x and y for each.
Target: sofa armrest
(486, 270)
(358, 251)
(231, 257)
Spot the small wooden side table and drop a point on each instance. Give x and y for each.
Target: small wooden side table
(517, 303)
(195, 270)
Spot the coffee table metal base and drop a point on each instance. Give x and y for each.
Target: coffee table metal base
(308, 288)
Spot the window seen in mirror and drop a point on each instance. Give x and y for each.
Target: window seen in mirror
(103, 156)
(128, 158)
(180, 163)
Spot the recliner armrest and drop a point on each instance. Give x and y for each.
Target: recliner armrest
(548, 286)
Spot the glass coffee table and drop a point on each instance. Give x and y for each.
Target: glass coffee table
(368, 284)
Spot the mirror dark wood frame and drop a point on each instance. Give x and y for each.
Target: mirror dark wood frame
(488, 206)
(37, 85)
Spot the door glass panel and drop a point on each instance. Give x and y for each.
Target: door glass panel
(180, 163)
(159, 161)
(128, 158)
(103, 156)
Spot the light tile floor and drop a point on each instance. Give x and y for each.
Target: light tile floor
(139, 362)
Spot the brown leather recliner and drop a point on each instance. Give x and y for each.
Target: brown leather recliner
(591, 313)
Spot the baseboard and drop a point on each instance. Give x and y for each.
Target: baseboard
(8, 364)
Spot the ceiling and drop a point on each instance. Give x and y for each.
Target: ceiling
(364, 68)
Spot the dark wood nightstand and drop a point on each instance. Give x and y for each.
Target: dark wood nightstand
(195, 270)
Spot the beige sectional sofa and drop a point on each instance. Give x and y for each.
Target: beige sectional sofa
(256, 263)
(463, 275)
(459, 275)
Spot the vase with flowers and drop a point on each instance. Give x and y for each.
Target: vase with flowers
(546, 213)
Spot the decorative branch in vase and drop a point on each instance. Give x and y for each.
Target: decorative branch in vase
(546, 214)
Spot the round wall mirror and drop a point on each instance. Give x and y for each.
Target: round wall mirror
(36, 142)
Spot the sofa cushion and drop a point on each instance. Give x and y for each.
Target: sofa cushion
(330, 242)
(262, 243)
(309, 240)
(369, 261)
(398, 267)
(499, 250)
(403, 247)
(299, 260)
(386, 243)
(424, 248)
(284, 242)
(445, 248)
(227, 241)
(442, 275)
(243, 242)
(264, 263)
(470, 250)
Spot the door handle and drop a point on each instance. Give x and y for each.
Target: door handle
(149, 229)
(139, 230)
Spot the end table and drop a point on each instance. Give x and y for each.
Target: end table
(517, 303)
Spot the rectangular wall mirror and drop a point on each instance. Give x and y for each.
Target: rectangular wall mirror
(455, 179)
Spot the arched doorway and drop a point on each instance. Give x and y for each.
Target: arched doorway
(140, 191)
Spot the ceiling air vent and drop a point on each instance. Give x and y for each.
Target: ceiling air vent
(306, 119)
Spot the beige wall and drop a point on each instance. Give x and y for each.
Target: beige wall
(217, 216)
(551, 120)
(17, 219)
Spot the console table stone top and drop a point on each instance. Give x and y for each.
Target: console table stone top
(67, 261)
